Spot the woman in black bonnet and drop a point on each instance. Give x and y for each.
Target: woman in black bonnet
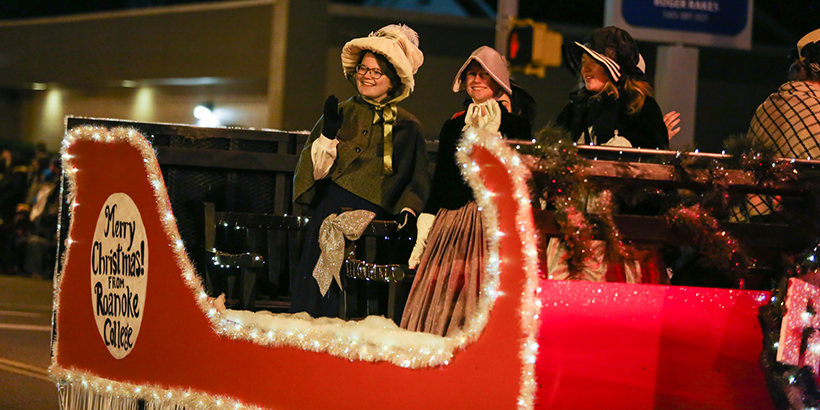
(613, 104)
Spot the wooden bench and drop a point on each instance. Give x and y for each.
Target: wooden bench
(272, 244)
(281, 239)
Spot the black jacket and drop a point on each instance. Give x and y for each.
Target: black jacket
(644, 129)
(449, 190)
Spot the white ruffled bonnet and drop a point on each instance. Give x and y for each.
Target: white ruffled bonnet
(398, 43)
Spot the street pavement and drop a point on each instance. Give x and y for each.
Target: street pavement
(25, 344)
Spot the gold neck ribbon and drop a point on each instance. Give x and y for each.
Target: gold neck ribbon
(387, 114)
(332, 236)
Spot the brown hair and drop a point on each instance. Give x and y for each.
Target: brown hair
(463, 79)
(635, 90)
(396, 86)
(800, 71)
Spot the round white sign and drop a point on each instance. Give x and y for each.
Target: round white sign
(119, 273)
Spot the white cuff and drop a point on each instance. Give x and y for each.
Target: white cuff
(423, 225)
(323, 154)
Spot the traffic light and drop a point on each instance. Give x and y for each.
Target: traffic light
(531, 47)
(519, 45)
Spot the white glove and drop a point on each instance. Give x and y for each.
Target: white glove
(423, 225)
(486, 115)
(323, 154)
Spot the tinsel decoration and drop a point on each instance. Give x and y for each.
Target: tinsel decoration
(746, 152)
(715, 198)
(617, 252)
(717, 248)
(558, 169)
(576, 235)
(581, 211)
(558, 177)
(713, 173)
(790, 387)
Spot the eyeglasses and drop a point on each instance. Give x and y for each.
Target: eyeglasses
(375, 73)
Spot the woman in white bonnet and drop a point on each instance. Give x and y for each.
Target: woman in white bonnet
(364, 153)
(445, 290)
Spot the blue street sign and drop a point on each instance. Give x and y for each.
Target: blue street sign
(718, 17)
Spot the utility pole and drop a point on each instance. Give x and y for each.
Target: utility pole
(507, 10)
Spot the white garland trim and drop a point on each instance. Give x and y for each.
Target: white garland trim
(527, 234)
(79, 390)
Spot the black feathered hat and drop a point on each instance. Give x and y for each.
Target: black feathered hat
(613, 48)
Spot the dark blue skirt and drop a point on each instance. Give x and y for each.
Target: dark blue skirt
(305, 296)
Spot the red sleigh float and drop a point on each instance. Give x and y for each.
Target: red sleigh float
(536, 343)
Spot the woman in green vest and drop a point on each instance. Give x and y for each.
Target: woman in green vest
(364, 153)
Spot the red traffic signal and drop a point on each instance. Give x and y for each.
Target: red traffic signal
(519, 46)
(531, 45)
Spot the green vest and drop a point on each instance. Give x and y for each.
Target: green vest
(359, 162)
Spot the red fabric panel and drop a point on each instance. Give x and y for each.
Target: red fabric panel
(622, 346)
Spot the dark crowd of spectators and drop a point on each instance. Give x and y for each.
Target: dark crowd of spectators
(29, 211)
